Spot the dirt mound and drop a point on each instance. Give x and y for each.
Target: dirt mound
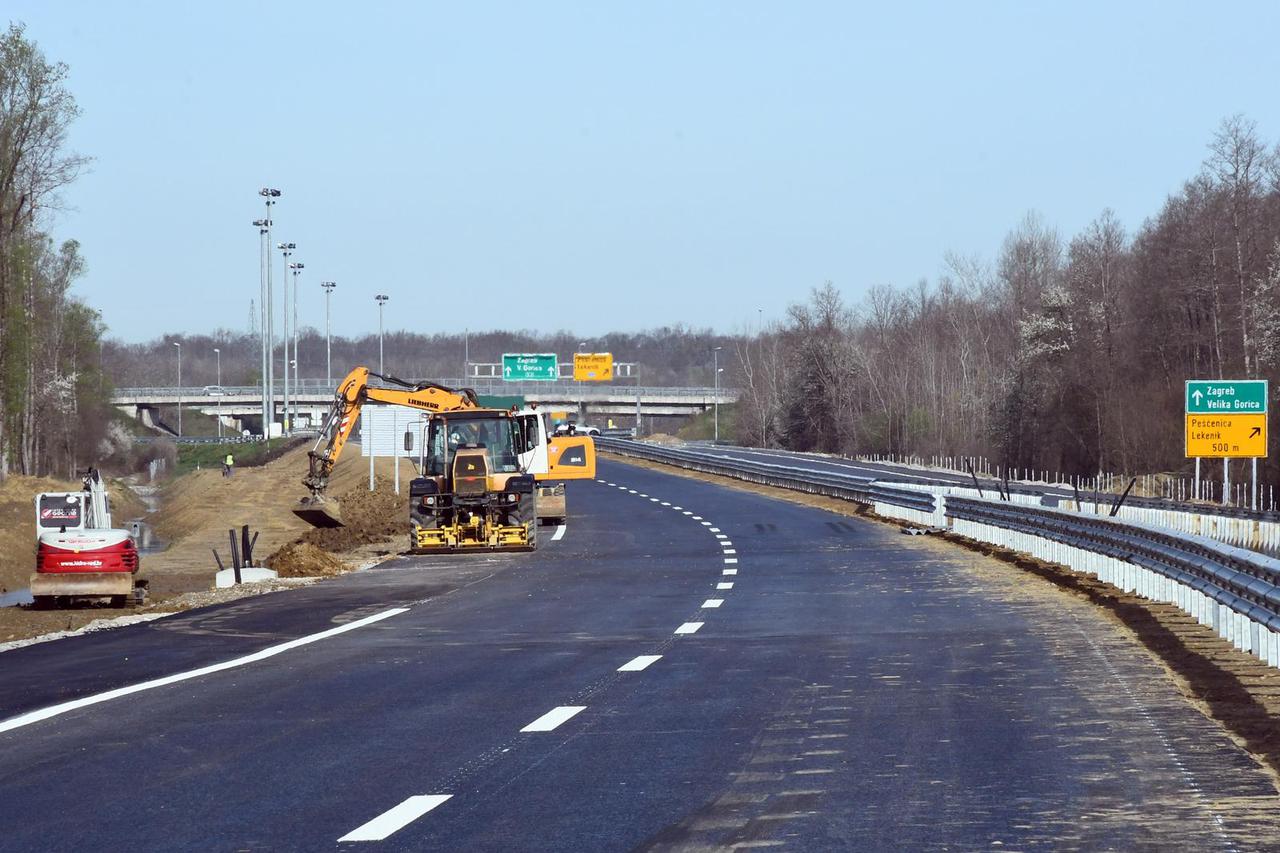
(662, 438)
(304, 560)
(367, 517)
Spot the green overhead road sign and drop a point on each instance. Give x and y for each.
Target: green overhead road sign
(535, 366)
(1227, 396)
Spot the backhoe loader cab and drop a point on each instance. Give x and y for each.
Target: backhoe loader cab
(472, 492)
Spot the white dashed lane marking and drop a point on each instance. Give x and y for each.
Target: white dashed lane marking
(552, 720)
(730, 560)
(689, 628)
(730, 551)
(713, 602)
(395, 818)
(725, 585)
(729, 572)
(639, 663)
(559, 534)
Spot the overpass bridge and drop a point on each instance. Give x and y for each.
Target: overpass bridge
(241, 406)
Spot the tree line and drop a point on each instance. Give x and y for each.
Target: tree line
(1062, 354)
(51, 385)
(672, 355)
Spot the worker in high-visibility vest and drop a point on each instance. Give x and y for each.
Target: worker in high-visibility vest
(226, 465)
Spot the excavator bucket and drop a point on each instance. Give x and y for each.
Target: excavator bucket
(319, 512)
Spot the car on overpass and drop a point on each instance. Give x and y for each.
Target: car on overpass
(573, 429)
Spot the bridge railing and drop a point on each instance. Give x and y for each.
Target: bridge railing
(1230, 589)
(556, 390)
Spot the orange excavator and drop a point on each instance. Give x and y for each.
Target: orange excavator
(481, 471)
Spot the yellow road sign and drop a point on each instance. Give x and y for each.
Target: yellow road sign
(593, 366)
(1226, 436)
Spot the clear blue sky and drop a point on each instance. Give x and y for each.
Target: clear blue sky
(601, 166)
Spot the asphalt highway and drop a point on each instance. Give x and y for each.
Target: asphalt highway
(687, 667)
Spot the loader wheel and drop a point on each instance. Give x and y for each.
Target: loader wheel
(119, 600)
(42, 602)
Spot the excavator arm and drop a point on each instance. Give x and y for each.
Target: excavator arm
(351, 396)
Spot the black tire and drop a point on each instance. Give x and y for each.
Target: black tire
(119, 600)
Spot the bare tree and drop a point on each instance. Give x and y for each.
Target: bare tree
(1239, 163)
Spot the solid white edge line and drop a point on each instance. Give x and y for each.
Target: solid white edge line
(729, 572)
(713, 602)
(639, 663)
(689, 628)
(559, 534)
(395, 818)
(725, 585)
(552, 720)
(271, 651)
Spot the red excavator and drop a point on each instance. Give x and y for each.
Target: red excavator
(79, 554)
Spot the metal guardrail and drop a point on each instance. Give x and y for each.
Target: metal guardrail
(1245, 582)
(831, 484)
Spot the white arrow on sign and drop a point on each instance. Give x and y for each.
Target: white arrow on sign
(506, 372)
(1197, 395)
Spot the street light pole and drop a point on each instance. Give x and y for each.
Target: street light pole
(328, 350)
(382, 300)
(264, 304)
(297, 271)
(179, 346)
(715, 362)
(286, 250)
(269, 195)
(582, 421)
(218, 354)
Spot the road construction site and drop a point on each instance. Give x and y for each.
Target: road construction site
(690, 662)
